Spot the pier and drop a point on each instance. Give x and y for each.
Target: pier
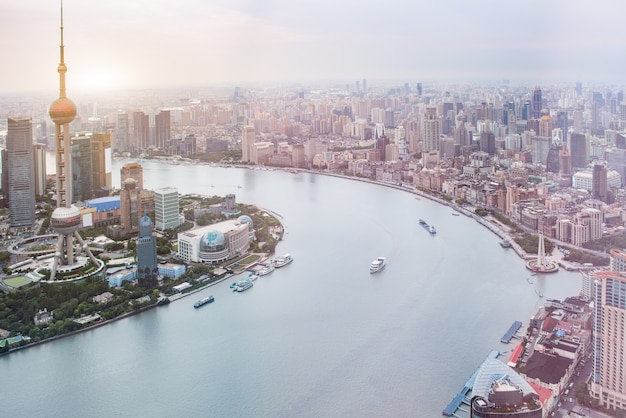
(462, 397)
(511, 332)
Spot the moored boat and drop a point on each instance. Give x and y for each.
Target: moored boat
(244, 284)
(377, 264)
(282, 260)
(266, 270)
(204, 301)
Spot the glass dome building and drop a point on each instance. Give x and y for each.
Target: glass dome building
(213, 247)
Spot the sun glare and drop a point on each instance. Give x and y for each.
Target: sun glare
(100, 80)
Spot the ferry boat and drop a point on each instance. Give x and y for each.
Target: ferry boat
(204, 301)
(282, 260)
(377, 264)
(505, 244)
(266, 270)
(244, 284)
(253, 276)
(430, 228)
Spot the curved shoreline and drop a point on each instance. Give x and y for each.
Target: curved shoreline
(409, 189)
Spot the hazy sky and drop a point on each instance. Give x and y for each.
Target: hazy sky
(152, 43)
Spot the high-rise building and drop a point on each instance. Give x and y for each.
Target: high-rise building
(21, 172)
(82, 178)
(578, 150)
(487, 142)
(431, 130)
(132, 170)
(41, 176)
(147, 270)
(130, 207)
(599, 188)
(66, 217)
(247, 139)
(537, 103)
(101, 163)
(139, 133)
(162, 122)
(608, 377)
(122, 132)
(166, 208)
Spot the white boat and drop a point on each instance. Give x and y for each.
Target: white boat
(266, 270)
(377, 264)
(282, 260)
(244, 284)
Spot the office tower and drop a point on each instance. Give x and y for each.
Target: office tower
(419, 89)
(381, 142)
(499, 391)
(545, 126)
(147, 270)
(21, 172)
(130, 207)
(608, 382)
(579, 88)
(526, 111)
(132, 170)
(537, 103)
(565, 163)
(82, 178)
(5, 177)
(139, 132)
(166, 210)
(41, 177)
(431, 130)
(247, 139)
(122, 132)
(162, 122)
(616, 160)
(578, 120)
(578, 150)
(487, 143)
(561, 123)
(599, 188)
(66, 217)
(101, 163)
(553, 159)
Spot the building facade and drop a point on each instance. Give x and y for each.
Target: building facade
(166, 208)
(147, 270)
(217, 242)
(21, 172)
(608, 377)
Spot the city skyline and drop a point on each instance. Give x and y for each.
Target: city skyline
(142, 44)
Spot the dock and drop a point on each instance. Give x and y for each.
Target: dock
(462, 397)
(511, 332)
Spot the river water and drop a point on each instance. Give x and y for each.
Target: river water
(320, 337)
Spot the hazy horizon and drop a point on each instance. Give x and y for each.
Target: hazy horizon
(157, 44)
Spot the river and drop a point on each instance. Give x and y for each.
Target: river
(320, 337)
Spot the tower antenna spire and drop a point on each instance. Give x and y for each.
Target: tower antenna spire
(62, 69)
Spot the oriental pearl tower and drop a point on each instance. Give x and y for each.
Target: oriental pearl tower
(66, 217)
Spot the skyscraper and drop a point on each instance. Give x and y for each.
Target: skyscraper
(66, 217)
(162, 122)
(41, 176)
(21, 172)
(608, 384)
(82, 178)
(578, 150)
(431, 130)
(247, 139)
(147, 270)
(101, 163)
(537, 103)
